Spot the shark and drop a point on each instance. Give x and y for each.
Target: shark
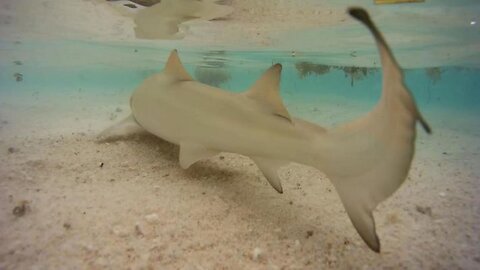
(165, 19)
(366, 159)
(162, 20)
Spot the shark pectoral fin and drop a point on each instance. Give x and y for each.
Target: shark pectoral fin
(191, 153)
(125, 128)
(175, 68)
(267, 91)
(269, 168)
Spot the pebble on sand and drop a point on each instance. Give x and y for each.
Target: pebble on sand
(424, 210)
(12, 150)
(139, 229)
(119, 230)
(21, 209)
(257, 254)
(152, 218)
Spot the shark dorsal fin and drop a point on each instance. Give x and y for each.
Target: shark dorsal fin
(175, 68)
(267, 90)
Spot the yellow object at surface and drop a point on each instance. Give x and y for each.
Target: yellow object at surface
(379, 2)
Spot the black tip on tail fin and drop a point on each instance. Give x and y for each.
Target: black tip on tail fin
(359, 14)
(362, 15)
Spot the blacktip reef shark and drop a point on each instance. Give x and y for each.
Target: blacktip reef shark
(366, 160)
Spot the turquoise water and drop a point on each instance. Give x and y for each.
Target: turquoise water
(91, 67)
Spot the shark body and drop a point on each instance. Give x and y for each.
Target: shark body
(366, 160)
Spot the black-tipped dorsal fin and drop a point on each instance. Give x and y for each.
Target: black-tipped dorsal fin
(267, 90)
(175, 68)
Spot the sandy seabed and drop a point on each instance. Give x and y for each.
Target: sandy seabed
(69, 202)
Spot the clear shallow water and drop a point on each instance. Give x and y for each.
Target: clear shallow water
(91, 67)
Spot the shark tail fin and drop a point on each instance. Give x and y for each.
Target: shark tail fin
(368, 159)
(360, 194)
(175, 68)
(392, 73)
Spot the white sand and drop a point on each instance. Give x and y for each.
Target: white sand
(141, 211)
